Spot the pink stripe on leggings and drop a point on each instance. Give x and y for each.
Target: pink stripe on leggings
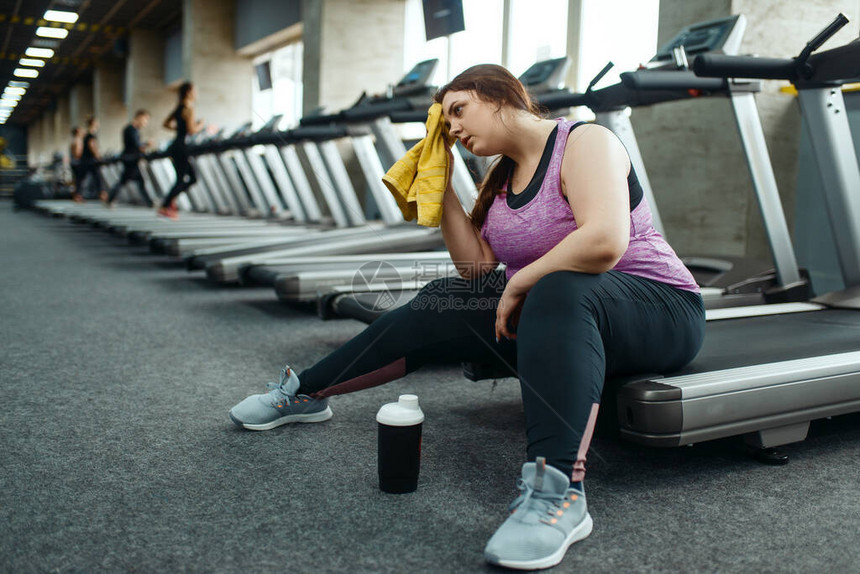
(389, 372)
(579, 465)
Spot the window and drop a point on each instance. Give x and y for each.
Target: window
(479, 43)
(285, 96)
(619, 31)
(536, 34)
(623, 31)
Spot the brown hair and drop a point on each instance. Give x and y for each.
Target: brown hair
(184, 89)
(493, 84)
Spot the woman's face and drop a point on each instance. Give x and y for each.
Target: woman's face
(474, 122)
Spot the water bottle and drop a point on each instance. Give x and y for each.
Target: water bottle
(399, 425)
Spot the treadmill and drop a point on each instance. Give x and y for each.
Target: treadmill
(235, 180)
(766, 377)
(726, 282)
(137, 223)
(229, 161)
(253, 174)
(362, 123)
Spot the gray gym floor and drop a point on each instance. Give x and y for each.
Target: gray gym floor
(116, 374)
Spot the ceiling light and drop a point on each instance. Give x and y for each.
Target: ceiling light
(32, 62)
(7, 96)
(26, 73)
(39, 52)
(13, 90)
(4, 103)
(50, 43)
(15, 84)
(46, 32)
(61, 16)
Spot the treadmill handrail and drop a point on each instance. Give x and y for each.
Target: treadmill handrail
(672, 80)
(721, 66)
(837, 65)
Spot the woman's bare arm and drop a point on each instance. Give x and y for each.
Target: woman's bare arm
(194, 126)
(472, 255)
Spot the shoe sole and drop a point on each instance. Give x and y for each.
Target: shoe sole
(582, 530)
(308, 418)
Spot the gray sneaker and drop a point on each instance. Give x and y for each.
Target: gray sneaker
(547, 518)
(281, 405)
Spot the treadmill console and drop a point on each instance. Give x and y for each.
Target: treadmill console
(271, 125)
(417, 79)
(545, 76)
(241, 131)
(721, 36)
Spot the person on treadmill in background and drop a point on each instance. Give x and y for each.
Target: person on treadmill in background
(182, 120)
(591, 290)
(89, 156)
(76, 150)
(132, 148)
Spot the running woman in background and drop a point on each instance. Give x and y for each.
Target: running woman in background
(90, 155)
(183, 122)
(76, 149)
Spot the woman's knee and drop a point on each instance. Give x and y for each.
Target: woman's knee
(561, 290)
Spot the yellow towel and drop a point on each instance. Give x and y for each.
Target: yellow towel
(419, 179)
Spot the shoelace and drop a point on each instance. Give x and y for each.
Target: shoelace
(281, 397)
(540, 502)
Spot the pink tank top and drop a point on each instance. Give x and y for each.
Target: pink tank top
(520, 236)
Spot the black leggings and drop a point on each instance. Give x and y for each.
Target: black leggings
(84, 170)
(185, 177)
(130, 172)
(575, 330)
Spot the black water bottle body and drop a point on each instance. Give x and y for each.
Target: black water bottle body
(399, 457)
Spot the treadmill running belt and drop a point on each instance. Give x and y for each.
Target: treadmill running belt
(755, 340)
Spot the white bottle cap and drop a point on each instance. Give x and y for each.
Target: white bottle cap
(405, 412)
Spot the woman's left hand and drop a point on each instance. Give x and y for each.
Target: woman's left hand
(508, 311)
